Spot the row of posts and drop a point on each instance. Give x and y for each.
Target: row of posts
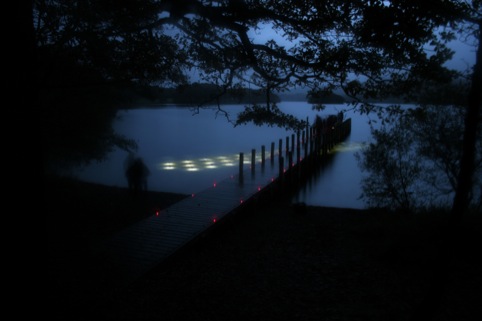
(315, 146)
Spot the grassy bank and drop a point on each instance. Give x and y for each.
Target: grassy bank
(80, 213)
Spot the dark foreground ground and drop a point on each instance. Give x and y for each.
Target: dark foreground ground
(270, 262)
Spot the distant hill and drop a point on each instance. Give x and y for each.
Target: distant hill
(196, 94)
(334, 98)
(296, 96)
(303, 96)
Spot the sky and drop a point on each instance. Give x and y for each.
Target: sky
(463, 59)
(464, 56)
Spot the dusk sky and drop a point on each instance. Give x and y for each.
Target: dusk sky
(464, 50)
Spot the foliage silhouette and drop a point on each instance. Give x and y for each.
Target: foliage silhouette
(370, 50)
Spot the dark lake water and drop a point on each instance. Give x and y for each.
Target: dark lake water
(187, 152)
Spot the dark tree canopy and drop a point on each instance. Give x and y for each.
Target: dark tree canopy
(89, 51)
(324, 44)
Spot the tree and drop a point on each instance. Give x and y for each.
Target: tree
(394, 168)
(324, 45)
(471, 22)
(369, 49)
(413, 163)
(440, 129)
(473, 16)
(88, 53)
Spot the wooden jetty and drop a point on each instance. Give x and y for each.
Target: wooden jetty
(137, 249)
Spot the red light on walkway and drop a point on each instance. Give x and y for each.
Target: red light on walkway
(192, 195)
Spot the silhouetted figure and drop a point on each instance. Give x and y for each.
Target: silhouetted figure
(331, 122)
(137, 173)
(340, 117)
(327, 124)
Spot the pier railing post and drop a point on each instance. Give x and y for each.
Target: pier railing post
(287, 145)
(253, 160)
(280, 148)
(281, 171)
(293, 142)
(298, 150)
(263, 156)
(290, 169)
(311, 140)
(241, 167)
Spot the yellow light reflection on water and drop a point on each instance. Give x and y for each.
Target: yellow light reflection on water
(204, 163)
(168, 166)
(348, 147)
(207, 163)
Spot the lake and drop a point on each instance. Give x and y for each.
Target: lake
(187, 152)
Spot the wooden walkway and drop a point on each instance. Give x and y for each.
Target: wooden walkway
(134, 251)
(137, 249)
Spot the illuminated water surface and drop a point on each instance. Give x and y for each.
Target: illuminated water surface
(188, 152)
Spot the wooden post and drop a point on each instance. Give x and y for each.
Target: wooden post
(326, 143)
(253, 160)
(292, 142)
(280, 148)
(290, 169)
(262, 156)
(298, 155)
(272, 153)
(281, 170)
(241, 167)
(311, 140)
(318, 142)
(308, 137)
(287, 145)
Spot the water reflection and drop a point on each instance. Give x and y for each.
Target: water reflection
(187, 153)
(204, 163)
(336, 183)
